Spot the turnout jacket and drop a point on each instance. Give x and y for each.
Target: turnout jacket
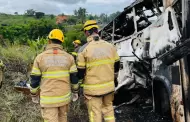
(53, 72)
(96, 64)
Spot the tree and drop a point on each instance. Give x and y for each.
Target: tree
(114, 15)
(81, 14)
(40, 28)
(72, 20)
(52, 16)
(90, 17)
(75, 12)
(39, 15)
(104, 18)
(30, 12)
(16, 13)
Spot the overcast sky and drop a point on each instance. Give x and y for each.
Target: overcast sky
(63, 6)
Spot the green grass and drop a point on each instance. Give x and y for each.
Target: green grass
(17, 58)
(19, 19)
(14, 106)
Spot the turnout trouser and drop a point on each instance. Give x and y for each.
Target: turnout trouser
(55, 114)
(99, 107)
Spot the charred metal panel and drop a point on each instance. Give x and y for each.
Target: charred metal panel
(124, 25)
(175, 75)
(176, 54)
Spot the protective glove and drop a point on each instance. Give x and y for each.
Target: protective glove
(74, 97)
(34, 94)
(35, 98)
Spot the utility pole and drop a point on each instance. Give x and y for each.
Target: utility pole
(184, 62)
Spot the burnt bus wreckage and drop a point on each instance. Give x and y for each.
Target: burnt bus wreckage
(148, 38)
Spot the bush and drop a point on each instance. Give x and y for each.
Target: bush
(39, 15)
(17, 58)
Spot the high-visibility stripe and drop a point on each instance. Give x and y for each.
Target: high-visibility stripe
(80, 83)
(74, 53)
(100, 62)
(36, 71)
(110, 83)
(45, 121)
(81, 64)
(91, 117)
(109, 118)
(55, 74)
(117, 58)
(55, 99)
(34, 90)
(73, 69)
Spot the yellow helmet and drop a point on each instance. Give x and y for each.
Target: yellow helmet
(77, 42)
(56, 34)
(90, 24)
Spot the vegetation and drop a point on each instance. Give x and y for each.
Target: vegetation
(22, 37)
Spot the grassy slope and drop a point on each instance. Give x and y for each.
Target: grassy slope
(19, 19)
(15, 107)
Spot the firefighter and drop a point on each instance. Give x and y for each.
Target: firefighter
(52, 72)
(97, 61)
(77, 46)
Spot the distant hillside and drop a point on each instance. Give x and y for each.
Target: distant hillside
(6, 19)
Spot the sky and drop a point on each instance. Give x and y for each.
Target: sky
(63, 6)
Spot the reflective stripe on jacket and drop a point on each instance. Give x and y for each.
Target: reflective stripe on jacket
(98, 57)
(54, 66)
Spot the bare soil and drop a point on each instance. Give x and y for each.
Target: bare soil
(138, 113)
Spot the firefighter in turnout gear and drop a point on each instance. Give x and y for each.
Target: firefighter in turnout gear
(77, 46)
(97, 61)
(54, 73)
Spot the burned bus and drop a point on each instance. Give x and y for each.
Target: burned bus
(148, 37)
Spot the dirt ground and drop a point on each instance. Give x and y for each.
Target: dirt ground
(136, 113)
(126, 113)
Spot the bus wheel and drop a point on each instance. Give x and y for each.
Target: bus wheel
(161, 99)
